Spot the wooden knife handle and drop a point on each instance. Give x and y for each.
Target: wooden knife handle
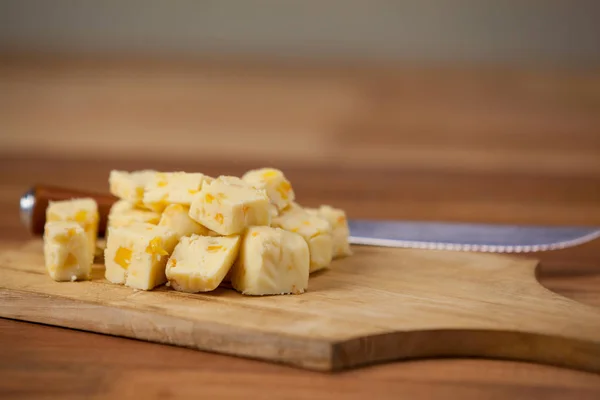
(42, 194)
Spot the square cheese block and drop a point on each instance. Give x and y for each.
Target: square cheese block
(173, 188)
(271, 261)
(228, 205)
(121, 206)
(136, 254)
(83, 211)
(315, 230)
(200, 263)
(66, 251)
(339, 225)
(176, 217)
(130, 186)
(278, 188)
(123, 213)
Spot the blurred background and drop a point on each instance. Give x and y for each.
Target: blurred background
(407, 92)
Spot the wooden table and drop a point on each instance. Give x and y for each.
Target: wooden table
(491, 145)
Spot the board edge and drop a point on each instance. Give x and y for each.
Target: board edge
(305, 353)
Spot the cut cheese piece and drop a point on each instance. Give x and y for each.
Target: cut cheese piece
(136, 254)
(315, 230)
(121, 206)
(83, 211)
(130, 186)
(292, 207)
(278, 188)
(123, 213)
(176, 217)
(228, 205)
(173, 188)
(271, 261)
(340, 231)
(200, 263)
(66, 251)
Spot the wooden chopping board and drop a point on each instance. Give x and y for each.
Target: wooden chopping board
(379, 305)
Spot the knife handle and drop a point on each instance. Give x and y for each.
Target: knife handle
(33, 205)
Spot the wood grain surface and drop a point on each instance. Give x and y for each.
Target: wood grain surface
(512, 145)
(379, 305)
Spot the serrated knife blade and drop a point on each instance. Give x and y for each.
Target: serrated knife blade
(469, 237)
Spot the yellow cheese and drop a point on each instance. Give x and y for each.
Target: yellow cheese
(315, 230)
(121, 206)
(340, 231)
(271, 261)
(130, 186)
(136, 254)
(66, 251)
(176, 217)
(278, 188)
(200, 263)
(83, 211)
(173, 188)
(228, 205)
(123, 213)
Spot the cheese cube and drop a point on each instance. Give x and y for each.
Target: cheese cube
(66, 251)
(200, 263)
(136, 254)
(130, 186)
(121, 206)
(315, 230)
(271, 261)
(123, 213)
(278, 188)
(176, 217)
(173, 188)
(340, 231)
(83, 211)
(228, 205)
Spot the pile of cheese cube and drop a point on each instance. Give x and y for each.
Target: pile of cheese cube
(195, 232)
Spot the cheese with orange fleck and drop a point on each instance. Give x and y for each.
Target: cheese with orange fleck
(271, 261)
(176, 217)
(66, 253)
(136, 254)
(166, 188)
(278, 188)
(130, 186)
(82, 211)
(200, 263)
(123, 213)
(316, 232)
(228, 206)
(339, 225)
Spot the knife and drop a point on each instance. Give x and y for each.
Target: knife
(420, 235)
(469, 237)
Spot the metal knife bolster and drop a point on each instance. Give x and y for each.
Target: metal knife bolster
(468, 237)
